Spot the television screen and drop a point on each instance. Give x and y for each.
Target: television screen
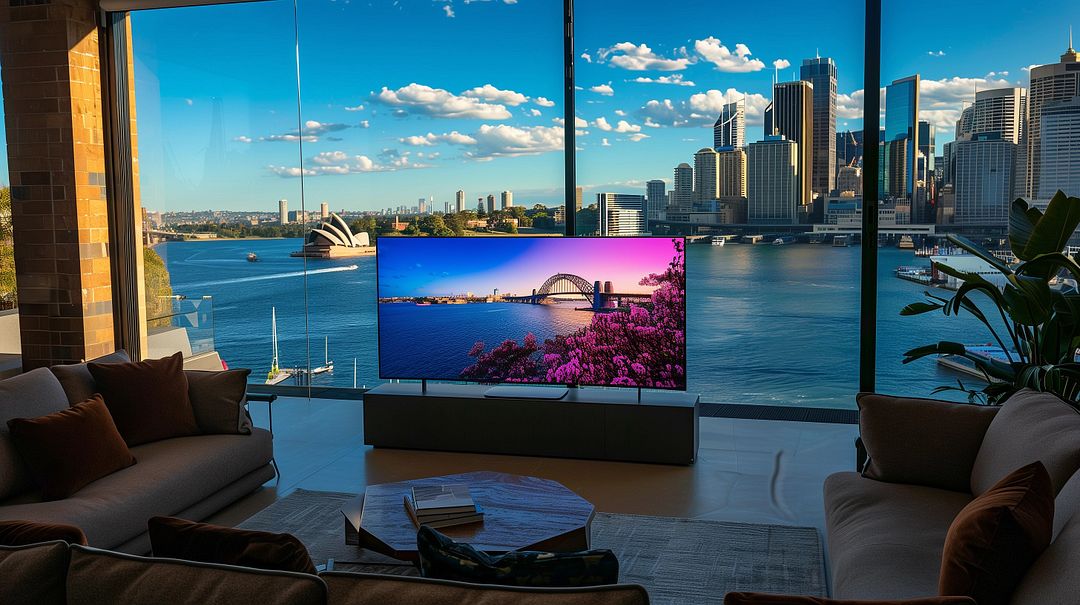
(599, 311)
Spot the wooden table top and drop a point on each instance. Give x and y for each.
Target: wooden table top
(520, 513)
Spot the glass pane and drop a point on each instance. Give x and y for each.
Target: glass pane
(10, 344)
(420, 127)
(971, 124)
(683, 127)
(217, 137)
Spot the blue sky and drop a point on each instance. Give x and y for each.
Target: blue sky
(417, 98)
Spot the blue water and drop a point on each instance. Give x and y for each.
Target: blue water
(767, 324)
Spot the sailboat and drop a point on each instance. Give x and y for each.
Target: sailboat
(276, 375)
(328, 366)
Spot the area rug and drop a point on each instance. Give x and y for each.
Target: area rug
(679, 561)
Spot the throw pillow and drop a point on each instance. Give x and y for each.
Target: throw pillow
(148, 399)
(757, 598)
(76, 380)
(219, 401)
(191, 541)
(997, 536)
(445, 559)
(23, 533)
(67, 450)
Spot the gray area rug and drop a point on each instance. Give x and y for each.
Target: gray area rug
(679, 561)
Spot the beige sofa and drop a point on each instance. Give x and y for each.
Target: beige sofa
(187, 477)
(927, 459)
(53, 573)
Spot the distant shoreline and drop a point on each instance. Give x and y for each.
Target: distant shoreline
(220, 239)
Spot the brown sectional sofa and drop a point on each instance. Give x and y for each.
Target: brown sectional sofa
(927, 459)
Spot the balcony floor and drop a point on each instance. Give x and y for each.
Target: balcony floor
(759, 471)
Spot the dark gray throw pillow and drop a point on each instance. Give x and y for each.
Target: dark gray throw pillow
(76, 379)
(219, 400)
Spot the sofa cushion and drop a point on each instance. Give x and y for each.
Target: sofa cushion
(921, 441)
(41, 570)
(35, 393)
(1030, 426)
(1055, 576)
(218, 400)
(76, 380)
(885, 539)
(148, 399)
(171, 476)
(99, 576)
(67, 450)
(370, 589)
(21, 533)
(191, 541)
(996, 537)
(753, 598)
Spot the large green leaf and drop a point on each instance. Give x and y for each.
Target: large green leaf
(1022, 221)
(1048, 265)
(994, 368)
(1054, 228)
(918, 308)
(1028, 299)
(981, 252)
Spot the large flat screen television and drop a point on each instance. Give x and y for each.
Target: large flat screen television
(591, 311)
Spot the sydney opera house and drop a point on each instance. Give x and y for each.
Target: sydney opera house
(334, 239)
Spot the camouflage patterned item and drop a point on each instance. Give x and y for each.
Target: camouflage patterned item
(441, 557)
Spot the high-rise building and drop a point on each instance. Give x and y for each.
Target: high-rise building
(682, 192)
(732, 173)
(1000, 110)
(966, 124)
(1049, 83)
(730, 128)
(656, 198)
(927, 145)
(507, 200)
(324, 211)
(460, 200)
(577, 199)
(773, 181)
(621, 214)
(769, 126)
(283, 212)
(491, 203)
(480, 205)
(421, 205)
(849, 148)
(983, 179)
(706, 178)
(821, 73)
(1059, 142)
(446, 207)
(901, 138)
(793, 118)
(849, 180)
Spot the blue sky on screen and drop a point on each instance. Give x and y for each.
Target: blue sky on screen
(419, 98)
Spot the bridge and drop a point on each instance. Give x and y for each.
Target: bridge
(562, 284)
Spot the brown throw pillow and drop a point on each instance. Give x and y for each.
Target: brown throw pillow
(997, 536)
(67, 450)
(218, 400)
(23, 533)
(148, 399)
(756, 598)
(190, 541)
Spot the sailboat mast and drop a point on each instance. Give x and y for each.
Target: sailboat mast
(273, 336)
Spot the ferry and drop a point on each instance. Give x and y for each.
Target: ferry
(966, 366)
(252, 257)
(717, 240)
(906, 243)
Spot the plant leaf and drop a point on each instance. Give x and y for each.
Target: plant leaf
(1054, 228)
(981, 252)
(917, 308)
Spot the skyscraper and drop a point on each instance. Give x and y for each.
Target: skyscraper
(421, 206)
(769, 125)
(984, 166)
(1060, 148)
(621, 214)
(773, 181)
(793, 118)
(507, 200)
(927, 146)
(460, 200)
(324, 211)
(1049, 83)
(491, 203)
(849, 179)
(901, 140)
(655, 198)
(1000, 110)
(577, 199)
(730, 128)
(732, 173)
(849, 148)
(682, 193)
(283, 212)
(706, 178)
(821, 73)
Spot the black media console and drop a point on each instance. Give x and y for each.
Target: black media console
(597, 424)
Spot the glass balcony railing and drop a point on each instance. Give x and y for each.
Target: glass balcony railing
(182, 324)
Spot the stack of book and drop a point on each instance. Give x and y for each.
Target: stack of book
(442, 506)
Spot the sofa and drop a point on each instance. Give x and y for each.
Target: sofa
(190, 477)
(922, 461)
(54, 573)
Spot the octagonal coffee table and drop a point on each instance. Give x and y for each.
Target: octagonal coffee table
(520, 513)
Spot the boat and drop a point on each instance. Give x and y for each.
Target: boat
(276, 375)
(906, 243)
(252, 257)
(966, 366)
(422, 303)
(841, 241)
(782, 240)
(328, 366)
(717, 240)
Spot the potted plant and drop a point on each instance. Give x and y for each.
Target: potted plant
(1040, 324)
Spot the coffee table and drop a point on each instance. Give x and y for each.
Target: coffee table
(520, 513)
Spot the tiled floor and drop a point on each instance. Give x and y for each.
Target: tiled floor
(747, 470)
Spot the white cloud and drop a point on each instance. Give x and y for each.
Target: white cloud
(488, 92)
(639, 57)
(340, 163)
(587, 57)
(449, 10)
(242, 139)
(603, 89)
(429, 139)
(716, 53)
(544, 102)
(512, 141)
(438, 103)
(622, 126)
(676, 79)
(578, 122)
(781, 64)
(850, 106)
(638, 137)
(604, 143)
(289, 138)
(189, 102)
(620, 113)
(936, 53)
(700, 109)
(941, 101)
(364, 124)
(317, 128)
(534, 112)
(355, 108)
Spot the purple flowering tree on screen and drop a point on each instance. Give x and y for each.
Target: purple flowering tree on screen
(644, 347)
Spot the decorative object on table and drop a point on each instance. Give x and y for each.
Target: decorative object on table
(445, 559)
(442, 506)
(1042, 324)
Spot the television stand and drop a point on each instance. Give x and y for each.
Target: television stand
(588, 423)
(505, 391)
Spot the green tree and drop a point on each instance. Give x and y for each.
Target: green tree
(7, 252)
(366, 224)
(158, 286)
(412, 229)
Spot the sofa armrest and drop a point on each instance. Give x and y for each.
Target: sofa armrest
(921, 441)
(757, 598)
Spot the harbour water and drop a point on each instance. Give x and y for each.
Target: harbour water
(766, 324)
